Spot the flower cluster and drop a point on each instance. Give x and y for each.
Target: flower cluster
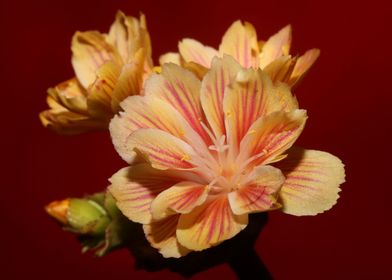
(209, 138)
(108, 68)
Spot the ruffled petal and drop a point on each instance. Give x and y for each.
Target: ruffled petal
(162, 149)
(209, 225)
(276, 46)
(181, 89)
(180, 198)
(68, 95)
(240, 41)
(271, 136)
(222, 73)
(135, 187)
(162, 236)
(260, 194)
(89, 52)
(312, 181)
(193, 51)
(144, 112)
(304, 63)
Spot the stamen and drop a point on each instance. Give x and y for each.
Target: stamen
(209, 132)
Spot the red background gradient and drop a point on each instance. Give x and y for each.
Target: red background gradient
(347, 95)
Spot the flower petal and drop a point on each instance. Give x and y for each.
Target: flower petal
(281, 68)
(130, 80)
(135, 187)
(89, 52)
(70, 123)
(100, 92)
(68, 95)
(281, 100)
(270, 136)
(162, 149)
(181, 89)
(193, 51)
(312, 181)
(128, 35)
(221, 74)
(244, 102)
(240, 41)
(276, 46)
(260, 193)
(147, 112)
(209, 224)
(170, 57)
(180, 198)
(303, 65)
(162, 236)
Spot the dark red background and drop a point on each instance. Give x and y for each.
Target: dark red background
(347, 95)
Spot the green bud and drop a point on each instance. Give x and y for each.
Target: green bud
(86, 216)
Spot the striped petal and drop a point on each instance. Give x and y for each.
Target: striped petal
(181, 89)
(162, 149)
(162, 236)
(100, 93)
(240, 41)
(89, 52)
(260, 193)
(221, 74)
(193, 51)
(209, 225)
(303, 65)
(135, 187)
(271, 136)
(276, 46)
(244, 102)
(180, 198)
(312, 181)
(144, 112)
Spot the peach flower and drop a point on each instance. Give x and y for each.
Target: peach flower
(205, 154)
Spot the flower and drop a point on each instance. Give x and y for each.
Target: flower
(204, 155)
(241, 42)
(108, 68)
(95, 219)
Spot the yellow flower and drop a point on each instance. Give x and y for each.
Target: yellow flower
(108, 68)
(241, 42)
(205, 154)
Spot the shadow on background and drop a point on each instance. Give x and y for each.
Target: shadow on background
(237, 252)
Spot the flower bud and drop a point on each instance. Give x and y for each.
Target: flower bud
(84, 216)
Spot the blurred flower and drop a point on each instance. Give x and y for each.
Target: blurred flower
(95, 219)
(205, 154)
(108, 68)
(241, 42)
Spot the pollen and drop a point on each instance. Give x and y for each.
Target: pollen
(252, 131)
(185, 157)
